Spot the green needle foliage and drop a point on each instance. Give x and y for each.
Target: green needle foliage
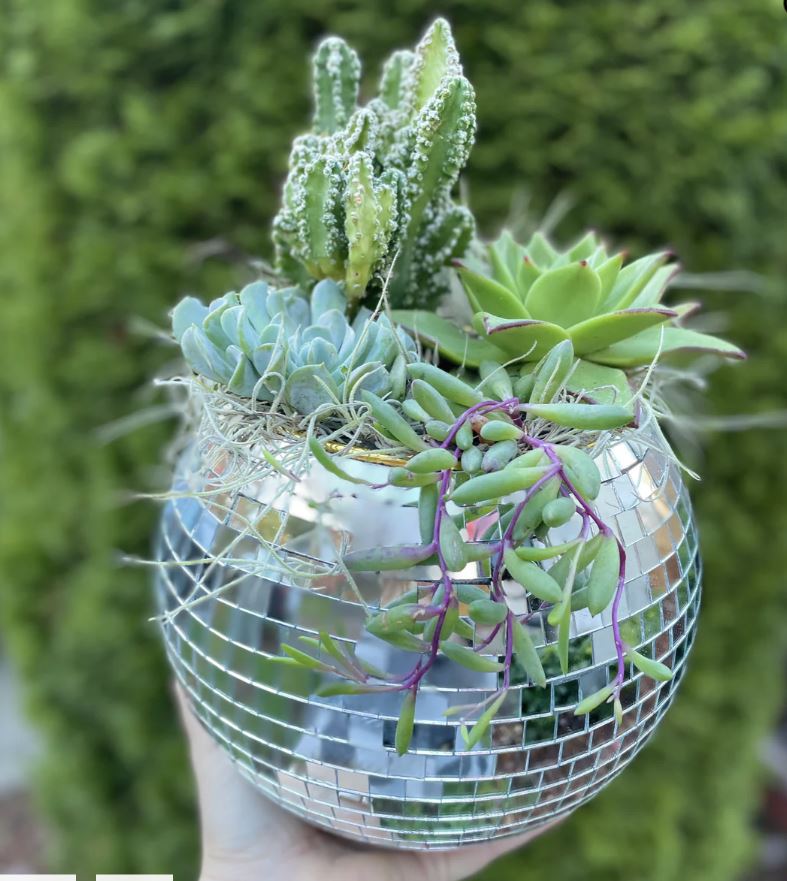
(665, 124)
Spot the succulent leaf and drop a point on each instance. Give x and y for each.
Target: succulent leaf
(642, 349)
(488, 295)
(597, 383)
(527, 339)
(603, 331)
(565, 296)
(447, 338)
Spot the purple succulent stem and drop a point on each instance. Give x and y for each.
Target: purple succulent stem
(490, 636)
(509, 648)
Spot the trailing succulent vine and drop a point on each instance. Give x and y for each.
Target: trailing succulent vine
(499, 447)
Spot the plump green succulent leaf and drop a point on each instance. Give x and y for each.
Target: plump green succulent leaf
(392, 423)
(495, 431)
(505, 256)
(332, 463)
(383, 559)
(428, 461)
(452, 387)
(487, 295)
(527, 273)
(204, 356)
(581, 471)
(527, 654)
(599, 384)
(604, 575)
(669, 343)
(465, 656)
(632, 279)
(471, 460)
(656, 286)
(584, 417)
(533, 578)
(602, 331)
(427, 511)
(189, 311)
(431, 400)
(608, 272)
(584, 248)
(541, 251)
(537, 554)
(521, 338)
(449, 340)
(481, 727)
(551, 373)
(339, 688)
(564, 296)
(304, 659)
(655, 669)
(495, 380)
(685, 310)
(558, 512)
(405, 725)
(487, 612)
(563, 635)
(495, 485)
(499, 454)
(402, 477)
(592, 701)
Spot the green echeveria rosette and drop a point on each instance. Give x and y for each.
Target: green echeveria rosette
(527, 299)
(281, 344)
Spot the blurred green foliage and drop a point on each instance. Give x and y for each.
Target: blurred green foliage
(139, 138)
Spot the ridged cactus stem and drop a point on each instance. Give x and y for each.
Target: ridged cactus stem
(337, 73)
(361, 225)
(373, 183)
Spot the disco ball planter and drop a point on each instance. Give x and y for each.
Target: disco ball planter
(332, 760)
(428, 570)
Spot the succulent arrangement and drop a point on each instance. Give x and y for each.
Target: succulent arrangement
(494, 422)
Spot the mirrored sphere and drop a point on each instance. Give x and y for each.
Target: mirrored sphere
(229, 602)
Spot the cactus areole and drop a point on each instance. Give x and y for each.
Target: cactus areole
(488, 422)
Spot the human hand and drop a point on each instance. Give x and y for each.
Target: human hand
(245, 837)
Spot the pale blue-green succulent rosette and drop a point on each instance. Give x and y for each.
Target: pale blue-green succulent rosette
(268, 344)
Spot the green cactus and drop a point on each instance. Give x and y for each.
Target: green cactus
(369, 189)
(263, 343)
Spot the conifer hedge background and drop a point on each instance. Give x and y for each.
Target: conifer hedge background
(142, 144)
